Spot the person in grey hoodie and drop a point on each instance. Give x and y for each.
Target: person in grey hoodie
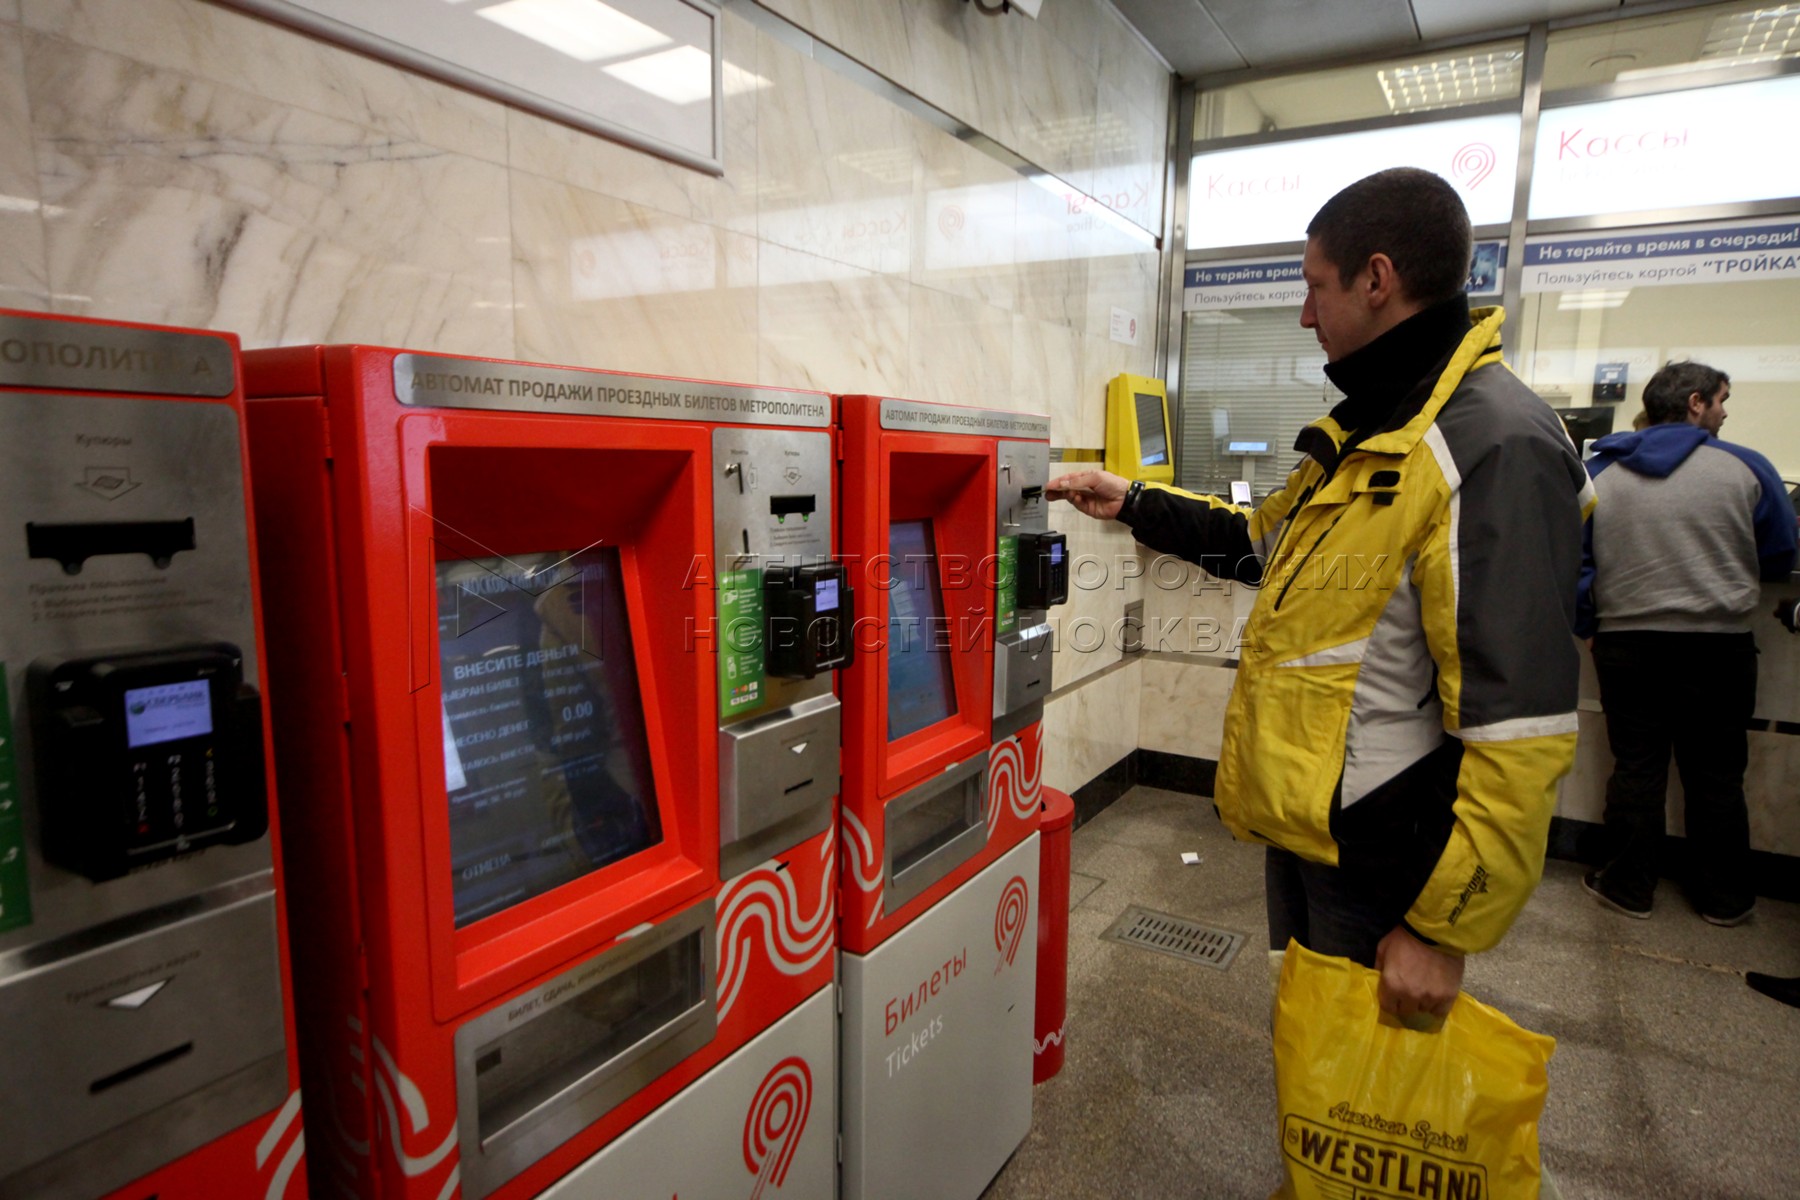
(1686, 527)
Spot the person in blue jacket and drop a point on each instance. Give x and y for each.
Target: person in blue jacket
(1686, 528)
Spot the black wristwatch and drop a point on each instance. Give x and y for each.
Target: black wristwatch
(1130, 502)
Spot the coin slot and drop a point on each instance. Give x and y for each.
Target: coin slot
(804, 783)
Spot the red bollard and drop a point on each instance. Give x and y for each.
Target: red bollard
(1057, 823)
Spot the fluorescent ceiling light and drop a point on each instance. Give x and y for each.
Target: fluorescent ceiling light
(1756, 34)
(582, 29)
(680, 76)
(1452, 82)
(1591, 299)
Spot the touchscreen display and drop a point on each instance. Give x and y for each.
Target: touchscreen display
(546, 760)
(1153, 439)
(167, 712)
(920, 687)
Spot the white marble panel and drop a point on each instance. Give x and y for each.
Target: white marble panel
(1187, 611)
(1052, 264)
(1102, 359)
(1127, 171)
(604, 283)
(1091, 728)
(1046, 373)
(1080, 25)
(1184, 707)
(967, 239)
(837, 166)
(23, 279)
(1103, 578)
(1122, 274)
(830, 326)
(949, 60)
(557, 151)
(170, 198)
(268, 60)
(872, 34)
(1768, 786)
(960, 351)
(1131, 66)
(1769, 789)
(9, 10)
(1050, 104)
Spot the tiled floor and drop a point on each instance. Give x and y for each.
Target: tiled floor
(1672, 1079)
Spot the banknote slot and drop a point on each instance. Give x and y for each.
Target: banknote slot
(804, 783)
(108, 1082)
(73, 544)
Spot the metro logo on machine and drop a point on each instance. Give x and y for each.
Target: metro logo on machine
(776, 1122)
(1009, 920)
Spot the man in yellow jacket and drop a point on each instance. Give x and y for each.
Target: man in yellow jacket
(1406, 688)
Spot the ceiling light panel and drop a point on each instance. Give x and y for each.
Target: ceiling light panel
(586, 30)
(1453, 81)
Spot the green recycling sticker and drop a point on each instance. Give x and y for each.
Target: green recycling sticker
(15, 892)
(1006, 586)
(740, 641)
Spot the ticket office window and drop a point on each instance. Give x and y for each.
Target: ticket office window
(1251, 379)
(1575, 345)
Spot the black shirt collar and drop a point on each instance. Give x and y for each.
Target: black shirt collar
(1378, 377)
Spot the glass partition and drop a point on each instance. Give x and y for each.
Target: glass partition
(1422, 83)
(1719, 35)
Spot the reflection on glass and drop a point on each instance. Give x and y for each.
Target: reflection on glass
(1727, 35)
(921, 690)
(546, 759)
(1445, 80)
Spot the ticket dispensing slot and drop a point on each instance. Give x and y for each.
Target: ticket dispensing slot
(786, 613)
(73, 544)
(542, 1066)
(934, 828)
(1022, 669)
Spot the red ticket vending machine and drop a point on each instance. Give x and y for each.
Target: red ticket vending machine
(942, 758)
(498, 692)
(143, 986)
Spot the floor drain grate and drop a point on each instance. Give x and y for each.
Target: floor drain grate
(1175, 936)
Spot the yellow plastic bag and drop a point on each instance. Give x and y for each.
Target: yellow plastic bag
(1371, 1109)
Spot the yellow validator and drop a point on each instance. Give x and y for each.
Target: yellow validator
(1138, 445)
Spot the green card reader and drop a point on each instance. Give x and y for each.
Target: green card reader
(144, 756)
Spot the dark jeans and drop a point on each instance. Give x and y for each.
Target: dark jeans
(1692, 693)
(1330, 910)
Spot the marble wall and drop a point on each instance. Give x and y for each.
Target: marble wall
(180, 162)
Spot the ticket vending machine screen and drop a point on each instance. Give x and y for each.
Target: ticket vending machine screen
(921, 688)
(546, 759)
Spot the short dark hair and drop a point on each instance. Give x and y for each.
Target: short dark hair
(1666, 395)
(1413, 217)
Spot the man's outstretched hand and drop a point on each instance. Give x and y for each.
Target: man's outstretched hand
(1096, 493)
(1415, 978)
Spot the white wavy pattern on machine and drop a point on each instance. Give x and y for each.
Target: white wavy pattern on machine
(390, 1081)
(1014, 782)
(1053, 1038)
(794, 942)
(286, 1121)
(865, 864)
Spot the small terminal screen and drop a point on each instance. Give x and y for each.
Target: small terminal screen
(1153, 439)
(168, 712)
(546, 758)
(921, 689)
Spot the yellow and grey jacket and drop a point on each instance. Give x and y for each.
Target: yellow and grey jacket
(1411, 648)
